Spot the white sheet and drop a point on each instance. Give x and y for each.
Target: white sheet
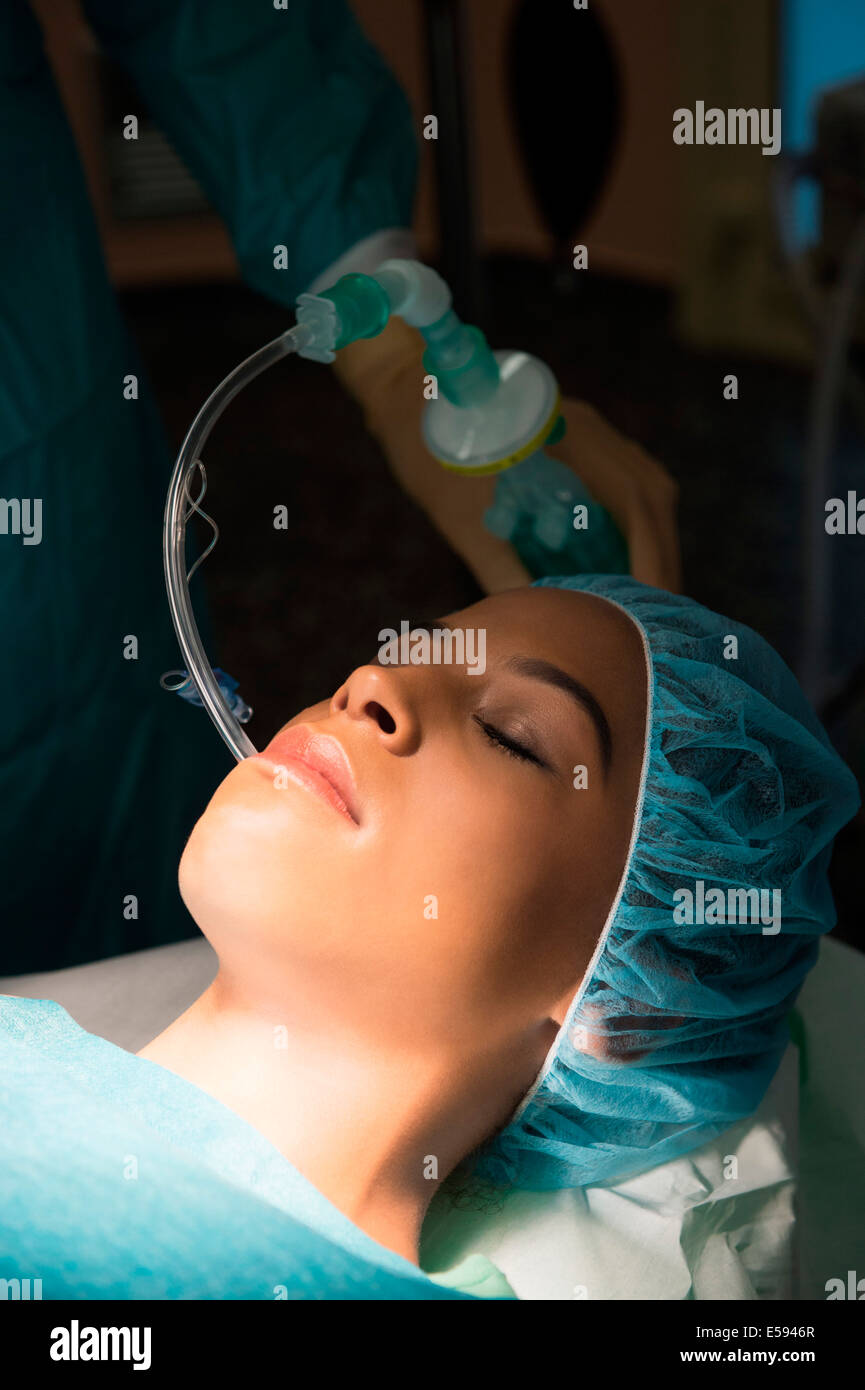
(688, 1229)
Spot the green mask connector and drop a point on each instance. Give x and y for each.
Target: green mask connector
(361, 305)
(461, 360)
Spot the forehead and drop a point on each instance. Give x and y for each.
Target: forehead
(584, 634)
(557, 624)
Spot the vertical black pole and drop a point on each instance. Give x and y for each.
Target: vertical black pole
(447, 68)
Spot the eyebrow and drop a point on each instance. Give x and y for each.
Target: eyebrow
(552, 675)
(536, 669)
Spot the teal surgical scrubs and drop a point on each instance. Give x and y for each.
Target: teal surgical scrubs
(120, 1180)
(301, 138)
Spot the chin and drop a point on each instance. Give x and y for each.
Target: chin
(246, 875)
(217, 877)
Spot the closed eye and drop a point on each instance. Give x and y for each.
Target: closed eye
(507, 744)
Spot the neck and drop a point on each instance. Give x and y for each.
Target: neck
(376, 1130)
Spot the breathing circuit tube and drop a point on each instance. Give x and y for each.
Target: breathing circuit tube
(496, 412)
(179, 506)
(357, 306)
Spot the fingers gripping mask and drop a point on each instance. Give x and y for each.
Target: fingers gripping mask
(680, 1021)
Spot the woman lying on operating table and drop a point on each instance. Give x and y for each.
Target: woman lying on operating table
(541, 924)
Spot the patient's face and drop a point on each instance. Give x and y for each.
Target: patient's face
(436, 879)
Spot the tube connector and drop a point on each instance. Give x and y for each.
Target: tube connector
(415, 292)
(316, 317)
(355, 307)
(459, 357)
(457, 354)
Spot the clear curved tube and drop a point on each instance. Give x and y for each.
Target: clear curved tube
(174, 536)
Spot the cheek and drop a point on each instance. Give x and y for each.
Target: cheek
(522, 883)
(484, 864)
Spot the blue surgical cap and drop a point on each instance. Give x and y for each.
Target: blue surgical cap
(681, 1018)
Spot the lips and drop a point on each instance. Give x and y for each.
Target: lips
(319, 762)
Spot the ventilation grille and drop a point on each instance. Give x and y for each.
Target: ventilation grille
(146, 176)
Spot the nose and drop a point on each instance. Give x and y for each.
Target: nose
(379, 696)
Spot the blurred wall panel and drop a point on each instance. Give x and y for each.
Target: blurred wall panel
(636, 229)
(734, 292)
